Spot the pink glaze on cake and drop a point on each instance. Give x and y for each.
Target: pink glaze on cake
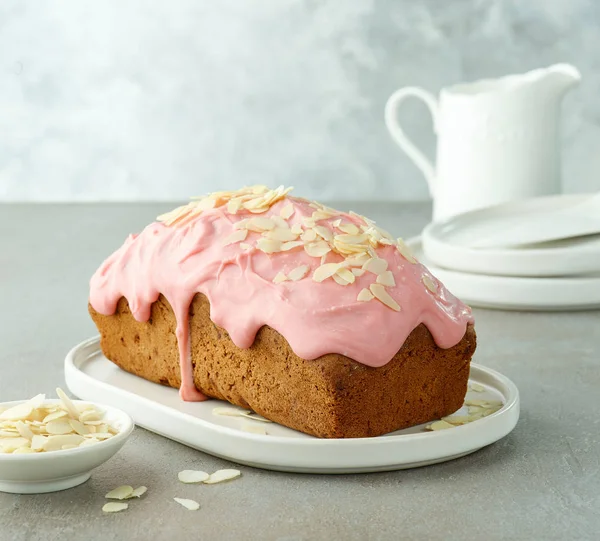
(315, 318)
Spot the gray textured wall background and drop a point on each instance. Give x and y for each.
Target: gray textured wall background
(164, 99)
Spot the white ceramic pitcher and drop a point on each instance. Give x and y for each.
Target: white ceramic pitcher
(497, 139)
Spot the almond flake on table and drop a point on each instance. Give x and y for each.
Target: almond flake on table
(138, 492)
(190, 505)
(222, 475)
(120, 493)
(114, 507)
(192, 476)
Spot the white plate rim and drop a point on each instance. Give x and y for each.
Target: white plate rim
(550, 293)
(485, 431)
(557, 261)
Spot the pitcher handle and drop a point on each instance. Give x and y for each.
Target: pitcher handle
(398, 135)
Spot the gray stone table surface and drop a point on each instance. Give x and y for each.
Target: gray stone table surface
(541, 482)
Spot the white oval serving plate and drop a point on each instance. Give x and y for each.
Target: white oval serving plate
(58, 470)
(91, 376)
(447, 243)
(516, 293)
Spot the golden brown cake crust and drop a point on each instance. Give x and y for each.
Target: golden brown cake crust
(330, 397)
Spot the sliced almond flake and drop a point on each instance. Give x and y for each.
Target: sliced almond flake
(259, 210)
(325, 271)
(114, 507)
(37, 401)
(405, 251)
(68, 446)
(268, 246)
(439, 425)
(429, 283)
(38, 442)
(346, 275)
(222, 475)
(351, 229)
(351, 239)
(102, 435)
(19, 412)
(241, 224)
(386, 278)
(309, 235)
(192, 476)
(357, 260)
(319, 215)
(229, 412)
(297, 229)
(336, 223)
(233, 206)
(5, 433)
(237, 236)
(358, 272)
(339, 280)
(281, 234)
(376, 265)
(66, 401)
(287, 212)
(259, 224)
(120, 493)
(309, 223)
(324, 259)
(23, 451)
(280, 277)
(475, 387)
(56, 415)
(138, 492)
(482, 403)
(90, 441)
(364, 296)
(55, 443)
(286, 246)
(94, 423)
(59, 427)
(256, 417)
(8, 445)
(298, 273)
(89, 416)
(79, 427)
(317, 249)
(254, 429)
(458, 420)
(280, 222)
(383, 296)
(190, 505)
(323, 232)
(24, 430)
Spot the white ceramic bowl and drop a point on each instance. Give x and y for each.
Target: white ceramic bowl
(59, 470)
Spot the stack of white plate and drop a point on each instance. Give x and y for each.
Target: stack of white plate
(558, 275)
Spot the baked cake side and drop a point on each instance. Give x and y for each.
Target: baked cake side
(328, 397)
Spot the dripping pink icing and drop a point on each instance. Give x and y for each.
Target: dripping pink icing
(315, 318)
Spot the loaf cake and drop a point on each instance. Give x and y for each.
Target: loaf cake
(315, 319)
